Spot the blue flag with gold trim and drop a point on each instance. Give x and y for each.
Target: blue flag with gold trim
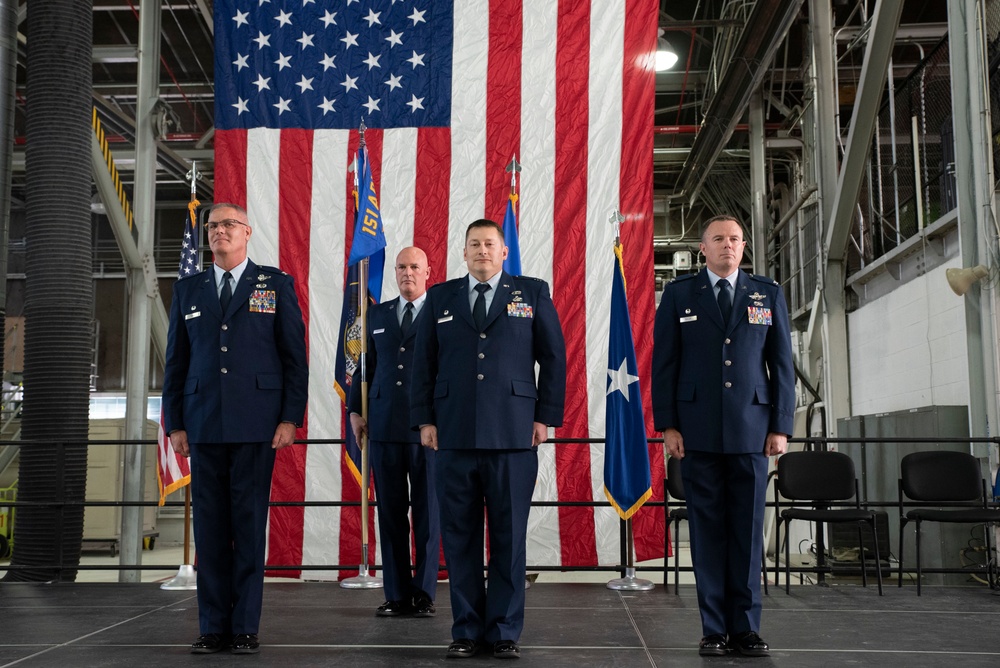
(512, 265)
(626, 457)
(368, 241)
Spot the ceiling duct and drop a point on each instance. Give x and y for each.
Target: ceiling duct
(764, 32)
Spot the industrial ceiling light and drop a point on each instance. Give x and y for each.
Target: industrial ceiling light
(665, 56)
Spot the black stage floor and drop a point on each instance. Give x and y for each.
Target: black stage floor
(580, 625)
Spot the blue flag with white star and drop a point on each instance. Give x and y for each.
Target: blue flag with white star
(626, 457)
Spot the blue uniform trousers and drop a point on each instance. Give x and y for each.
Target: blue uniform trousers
(503, 481)
(404, 479)
(230, 490)
(725, 501)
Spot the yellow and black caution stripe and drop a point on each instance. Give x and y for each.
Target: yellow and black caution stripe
(110, 162)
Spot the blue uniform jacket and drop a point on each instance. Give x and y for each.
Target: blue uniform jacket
(233, 377)
(723, 386)
(388, 367)
(479, 388)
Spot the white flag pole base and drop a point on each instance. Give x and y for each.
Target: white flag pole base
(362, 580)
(186, 579)
(630, 582)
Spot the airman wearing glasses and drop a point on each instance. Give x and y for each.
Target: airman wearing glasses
(234, 390)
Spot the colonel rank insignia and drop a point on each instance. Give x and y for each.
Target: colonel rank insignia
(519, 310)
(758, 315)
(263, 301)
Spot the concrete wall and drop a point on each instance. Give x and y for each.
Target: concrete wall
(908, 347)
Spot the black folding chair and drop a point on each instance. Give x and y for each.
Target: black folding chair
(821, 479)
(946, 477)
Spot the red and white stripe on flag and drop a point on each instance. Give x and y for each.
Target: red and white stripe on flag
(172, 470)
(567, 86)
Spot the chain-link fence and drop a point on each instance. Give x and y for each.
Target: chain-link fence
(910, 180)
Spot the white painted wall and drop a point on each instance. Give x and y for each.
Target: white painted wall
(908, 348)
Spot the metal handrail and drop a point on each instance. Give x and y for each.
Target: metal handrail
(809, 441)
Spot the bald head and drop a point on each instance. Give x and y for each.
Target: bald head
(412, 272)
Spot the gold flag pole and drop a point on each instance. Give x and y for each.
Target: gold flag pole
(630, 582)
(363, 580)
(186, 578)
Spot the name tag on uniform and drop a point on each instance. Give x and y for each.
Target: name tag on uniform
(263, 301)
(188, 316)
(690, 318)
(378, 331)
(758, 315)
(447, 318)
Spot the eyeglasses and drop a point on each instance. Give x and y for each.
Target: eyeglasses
(229, 224)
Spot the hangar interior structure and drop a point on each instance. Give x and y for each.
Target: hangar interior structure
(856, 139)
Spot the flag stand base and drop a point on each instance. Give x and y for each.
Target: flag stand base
(630, 582)
(184, 580)
(362, 580)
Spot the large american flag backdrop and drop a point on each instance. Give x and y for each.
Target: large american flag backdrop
(449, 91)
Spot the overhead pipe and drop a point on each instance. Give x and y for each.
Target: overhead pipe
(766, 27)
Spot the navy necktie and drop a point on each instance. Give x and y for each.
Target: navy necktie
(404, 326)
(725, 301)
(227, 291)
(479, 309)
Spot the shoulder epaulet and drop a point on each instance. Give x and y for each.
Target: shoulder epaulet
(271, 270)
(519, 277)
(190, 276)
(683, 277)
(763, 279)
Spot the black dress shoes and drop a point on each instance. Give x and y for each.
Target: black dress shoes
(749, 644)
(463, 648)
(506, 649)
(393, 609)
(423, 606)
(210, 643)
(713, 645)
(245, 643)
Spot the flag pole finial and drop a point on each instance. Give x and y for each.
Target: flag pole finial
(514, 168)
(361, 134)
(193, 175)
(616, 218)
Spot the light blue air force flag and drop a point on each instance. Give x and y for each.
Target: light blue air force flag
(512, 265)
(626, 457)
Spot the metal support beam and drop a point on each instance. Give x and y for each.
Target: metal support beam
(816, 360)
(974, 195)
(127, 245)
(866, 105)
(758, 187)
(142, 290)
(830, 289)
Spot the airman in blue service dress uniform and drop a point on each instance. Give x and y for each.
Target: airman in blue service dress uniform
(723, 395)
(234, 389)
(476, 401)
(404, 470)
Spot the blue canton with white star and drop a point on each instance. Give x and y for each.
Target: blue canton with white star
(329, 64)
